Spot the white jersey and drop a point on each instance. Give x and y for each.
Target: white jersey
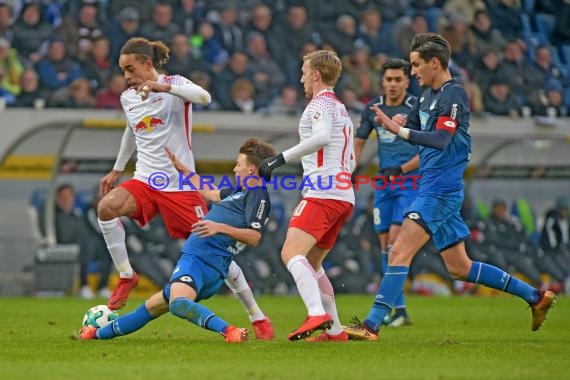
(337, 158)
(162, 119)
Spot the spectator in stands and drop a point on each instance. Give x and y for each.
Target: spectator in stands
(79, 31)
(72, 229)
(406, 28)
(77, 95)
(242, 94)
(31, 93)
(293, 69)
(286, 104)
(203, 79)
(261, 20)
(120, 31)
(143, 8)
(183, 60)
(467, 9)
(56, 70)
(499, 100)
(505, 235)
(161, 28)
(268, 77)
(561, 33)
(238, 67)
(228, 31)
(488, 66)
(294, 32)
(110, 97)
(343, 36)
(360, 76)
(506, 15)
(98, 249)
(188, 14)
(550, 101)
(523, 77)
(544, 66)
(5, 21)
(483, 36)
(10, 68)
(455, 30)
(31, 33)
(373, 33)
(350, 100)
(97, 65)
(555, 238)
(211, 49)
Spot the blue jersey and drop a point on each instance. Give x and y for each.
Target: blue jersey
(242, 208)
(445, 108)
(393, 151)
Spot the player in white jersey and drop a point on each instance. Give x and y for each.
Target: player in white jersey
(327, 152)
(159, 113)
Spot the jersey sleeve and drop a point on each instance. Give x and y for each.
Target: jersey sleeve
(366, 126)
(257, 209)
(450, 109)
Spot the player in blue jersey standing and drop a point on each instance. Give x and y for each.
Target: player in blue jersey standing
(398, 161)
(234, 222)
(439, 124)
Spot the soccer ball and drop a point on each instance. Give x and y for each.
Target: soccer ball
(99, 316)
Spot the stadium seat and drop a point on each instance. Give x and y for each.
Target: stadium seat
(544, 24)
(565, 53)
(56, 265)
(527, 6)
(526, 24)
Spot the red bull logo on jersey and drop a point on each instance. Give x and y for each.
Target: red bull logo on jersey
(148, 124)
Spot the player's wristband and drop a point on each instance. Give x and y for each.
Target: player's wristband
(404, 133)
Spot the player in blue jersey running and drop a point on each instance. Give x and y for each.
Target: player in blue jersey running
(397, 157)
(234, 222)
(439, 124)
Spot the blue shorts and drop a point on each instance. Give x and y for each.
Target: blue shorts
(440, 216)
(389, 206)
(191, 270)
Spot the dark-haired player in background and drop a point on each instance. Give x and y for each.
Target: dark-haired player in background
(397, 157)
(439, 123)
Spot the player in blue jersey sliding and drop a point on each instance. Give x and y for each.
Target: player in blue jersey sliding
(439, 124)
(234, 222)
(398, 161)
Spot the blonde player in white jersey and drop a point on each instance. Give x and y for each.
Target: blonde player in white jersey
(159, 113)
(327, 152)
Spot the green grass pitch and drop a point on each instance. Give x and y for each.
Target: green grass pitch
(451, 338)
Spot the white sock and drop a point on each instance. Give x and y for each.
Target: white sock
(237, 283)
(114, 234)
(304, 275)
(327, 298)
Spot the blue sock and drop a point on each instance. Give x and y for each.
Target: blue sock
(197, 314)
(400, 303)
(126, 324)
(496, 278)
(391, 286)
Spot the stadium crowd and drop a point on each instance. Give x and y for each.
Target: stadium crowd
(513, 56)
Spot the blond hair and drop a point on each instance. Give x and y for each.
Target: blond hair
(327, 63)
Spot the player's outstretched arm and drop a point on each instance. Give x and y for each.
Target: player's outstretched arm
(438, 139)
(189, 91)
(212, 195)
(205, 228)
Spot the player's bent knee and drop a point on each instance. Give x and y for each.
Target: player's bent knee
(105, 210)
(181, 307)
